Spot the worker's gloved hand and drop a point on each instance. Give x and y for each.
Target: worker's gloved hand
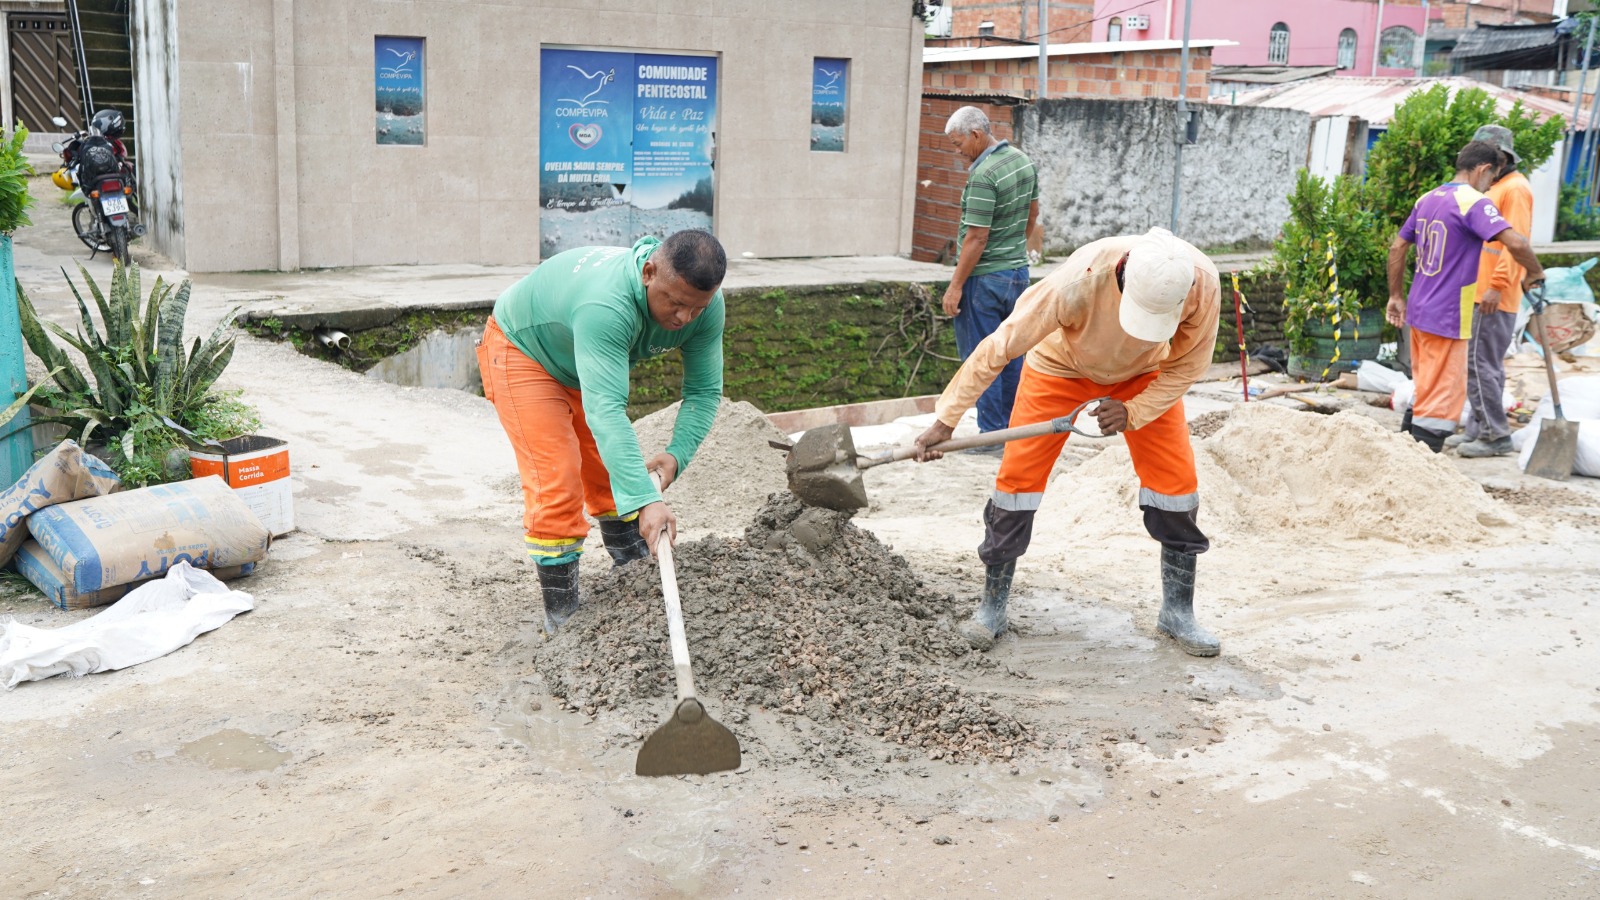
(664, 465)
(937, 433)
(656, 519)
(1111, 416)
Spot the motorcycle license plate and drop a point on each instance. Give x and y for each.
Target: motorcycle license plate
(114, 205)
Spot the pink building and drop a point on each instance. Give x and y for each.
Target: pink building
(1341, 33)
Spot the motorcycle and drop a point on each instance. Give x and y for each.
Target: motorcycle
(101, 177)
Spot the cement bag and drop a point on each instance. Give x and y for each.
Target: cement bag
(65, 473)
(1580, 401)
(152, 621)
(122, 538)
(43, 573)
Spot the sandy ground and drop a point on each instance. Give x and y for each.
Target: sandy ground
(1385, 720)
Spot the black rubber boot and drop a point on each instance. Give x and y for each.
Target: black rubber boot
(623, 541)
(1177, 605)
(1433, 440)
(560, 587)
(989, 621)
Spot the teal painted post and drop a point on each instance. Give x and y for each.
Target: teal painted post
(16, 449)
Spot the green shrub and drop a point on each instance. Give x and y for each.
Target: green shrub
(14, 172)
(1418, 151)
(139, 376)
(1577, 219)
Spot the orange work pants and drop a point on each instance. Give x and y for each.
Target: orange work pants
(556, 454)
(1163, 458)
(1439, 369)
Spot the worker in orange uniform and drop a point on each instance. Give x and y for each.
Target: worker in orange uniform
(1130, 318)
(555, 357)
(1499, 296)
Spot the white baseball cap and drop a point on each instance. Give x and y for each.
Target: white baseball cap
(1155, 281)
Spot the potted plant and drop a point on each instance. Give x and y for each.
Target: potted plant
(1331, 255)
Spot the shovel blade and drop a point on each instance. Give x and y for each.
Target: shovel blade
(822, 469)
(690, 743)
(1555, 450)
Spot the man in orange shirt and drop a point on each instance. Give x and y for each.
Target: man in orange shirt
(1499, 295)
(1130, 318)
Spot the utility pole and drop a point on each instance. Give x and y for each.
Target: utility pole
(1577, 101)
(1044, 50)
(1181, 133)
(1420, 55)
(1377, 39)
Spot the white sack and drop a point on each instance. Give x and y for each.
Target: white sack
(152, 621)
(1580, 401)
(1371, 376)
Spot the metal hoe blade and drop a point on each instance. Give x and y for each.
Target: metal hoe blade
(690, 743)
(1555, 449)
(822, 469)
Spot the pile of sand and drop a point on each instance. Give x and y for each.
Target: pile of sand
(806, 615)
(1273, 471)
(731, 474)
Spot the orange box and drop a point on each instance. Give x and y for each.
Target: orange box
(257, 468)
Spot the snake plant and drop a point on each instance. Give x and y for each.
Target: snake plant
(136, 370)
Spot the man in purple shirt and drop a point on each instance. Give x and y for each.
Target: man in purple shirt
(1448, 225)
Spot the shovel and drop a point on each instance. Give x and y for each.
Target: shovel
(1555, 449)
(691, 742)
(825, 470)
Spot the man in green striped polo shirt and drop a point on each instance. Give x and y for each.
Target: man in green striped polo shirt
(999, 221)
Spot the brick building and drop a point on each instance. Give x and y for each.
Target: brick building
(1467, 13)
(1068, 20)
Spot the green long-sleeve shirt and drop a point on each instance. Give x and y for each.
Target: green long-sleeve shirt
(582, 315)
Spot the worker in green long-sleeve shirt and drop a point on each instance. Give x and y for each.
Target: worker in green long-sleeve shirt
(555, 357)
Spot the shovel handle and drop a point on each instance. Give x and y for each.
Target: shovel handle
(1539, 305)
(988, 439)
(669, 592)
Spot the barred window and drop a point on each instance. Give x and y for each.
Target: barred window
(1347, 48)
(1278, 45)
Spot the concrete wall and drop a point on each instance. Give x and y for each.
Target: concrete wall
(154, 35)
(1105, 168)
(280, 168)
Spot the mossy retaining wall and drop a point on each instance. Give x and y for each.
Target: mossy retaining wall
(784, 348)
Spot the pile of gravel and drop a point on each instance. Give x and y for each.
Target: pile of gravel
(806, 615)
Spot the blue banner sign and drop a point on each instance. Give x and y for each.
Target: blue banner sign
(626, 146)
(830, 83)
(398, 89)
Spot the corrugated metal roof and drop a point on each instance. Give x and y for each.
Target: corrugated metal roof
(932, 56)
(1374, 99)
(1512, 42)
(1268, 74)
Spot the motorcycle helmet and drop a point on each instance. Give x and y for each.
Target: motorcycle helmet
(62, 179)
(108, 122)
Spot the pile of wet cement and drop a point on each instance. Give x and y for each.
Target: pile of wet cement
(732, 473)
(806, 615)
(1274, 472)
